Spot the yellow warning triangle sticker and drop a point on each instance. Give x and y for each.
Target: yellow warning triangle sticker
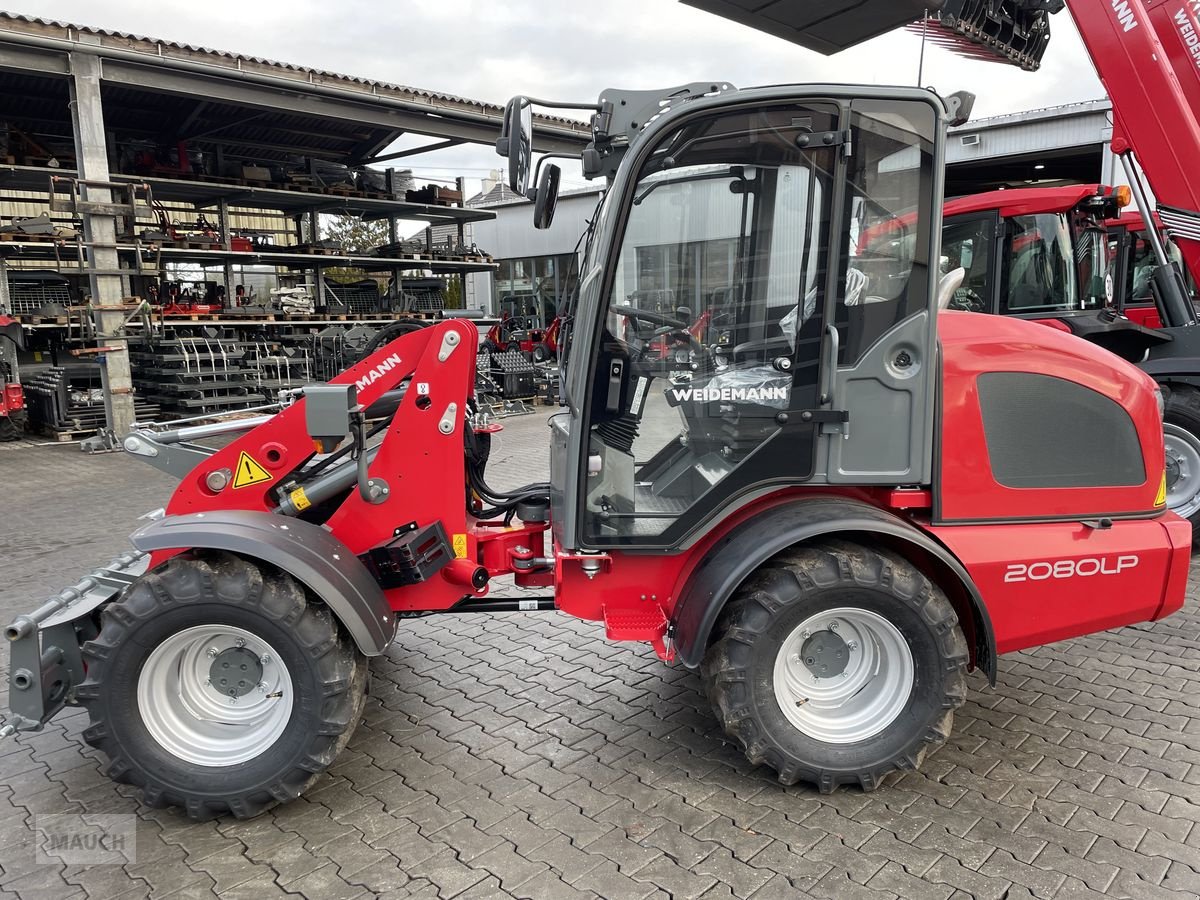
(249, 472)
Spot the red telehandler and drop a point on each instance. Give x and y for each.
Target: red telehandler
(833, 515)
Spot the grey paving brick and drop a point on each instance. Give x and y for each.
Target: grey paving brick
(742, 879)
(798, 868)
(444, 870)
(608, 882)
(508, 865)
(895, 879)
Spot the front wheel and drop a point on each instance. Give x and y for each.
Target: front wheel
(220, 687)
(1181, 437)
(836, 663)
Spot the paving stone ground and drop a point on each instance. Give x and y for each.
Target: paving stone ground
(521, 755)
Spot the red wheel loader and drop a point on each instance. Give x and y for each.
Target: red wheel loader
(12, 396)
(833, 515)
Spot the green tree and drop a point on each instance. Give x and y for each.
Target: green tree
(355, 235)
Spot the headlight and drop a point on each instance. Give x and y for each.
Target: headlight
(1162, 404)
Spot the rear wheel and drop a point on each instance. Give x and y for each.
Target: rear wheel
(836, 663)
(220, 687)
(11, 426)
(1181, 436)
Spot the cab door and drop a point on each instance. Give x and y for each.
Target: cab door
(881, 329)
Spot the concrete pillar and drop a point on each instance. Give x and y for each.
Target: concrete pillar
(100, 233)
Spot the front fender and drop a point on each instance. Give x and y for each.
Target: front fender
(307, 552)
(729, 562)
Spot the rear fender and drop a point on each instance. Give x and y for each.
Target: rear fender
(307, 552)
(728, 563)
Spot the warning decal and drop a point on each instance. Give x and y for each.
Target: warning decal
(460, 546)
(249, 472)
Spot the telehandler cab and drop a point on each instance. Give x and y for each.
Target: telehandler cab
(832, 510)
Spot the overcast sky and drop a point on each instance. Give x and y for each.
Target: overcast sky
(491, 49)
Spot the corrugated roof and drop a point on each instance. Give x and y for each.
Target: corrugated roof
(1084, 107)
(164, 50)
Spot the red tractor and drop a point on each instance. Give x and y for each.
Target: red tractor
(524, 334)
(12, 395)
(833, 516)
(1133, 264)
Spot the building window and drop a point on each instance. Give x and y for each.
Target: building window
(533, 288)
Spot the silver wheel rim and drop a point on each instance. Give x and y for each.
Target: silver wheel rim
(863, 698)
(1183, 470)
(189, 714)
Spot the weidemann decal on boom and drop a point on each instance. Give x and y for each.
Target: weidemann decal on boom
(378, 372)
(1187, 29)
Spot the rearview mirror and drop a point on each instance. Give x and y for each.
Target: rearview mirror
(516, 142)
(545, 199)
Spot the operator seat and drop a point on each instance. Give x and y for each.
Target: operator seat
(950, 283)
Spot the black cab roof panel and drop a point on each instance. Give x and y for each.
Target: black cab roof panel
(827, 26)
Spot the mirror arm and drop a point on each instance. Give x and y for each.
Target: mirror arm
(558, 104)
(537, 170)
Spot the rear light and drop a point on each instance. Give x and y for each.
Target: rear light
(1123, 195)
(1162, 404)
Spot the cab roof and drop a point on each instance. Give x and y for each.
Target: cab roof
(1025, 201)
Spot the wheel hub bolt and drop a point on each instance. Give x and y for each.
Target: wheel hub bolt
(852, 645)
(236, 671)
(825, 655)
(264, 659)
(833, 626)
(240, 642)
(212, 652)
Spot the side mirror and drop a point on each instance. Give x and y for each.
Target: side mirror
(545, 199)
(959, 106)
(516, 142)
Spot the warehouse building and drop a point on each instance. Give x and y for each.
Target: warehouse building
(151, 188)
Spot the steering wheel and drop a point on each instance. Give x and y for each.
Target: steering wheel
(967, 300)
(667, 325)
(646, 315)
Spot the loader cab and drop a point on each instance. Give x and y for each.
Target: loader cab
(1038, 253)
(1132, 264)
(733, 335)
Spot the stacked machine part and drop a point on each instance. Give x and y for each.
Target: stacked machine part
(68, 401)
(1013, 31)
(1010, 31)
(514, 374)
(192, 372)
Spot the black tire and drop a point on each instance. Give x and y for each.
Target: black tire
(328, 678)
(11, 427)
(1182, 410)
(738, 669)
(541, 353)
